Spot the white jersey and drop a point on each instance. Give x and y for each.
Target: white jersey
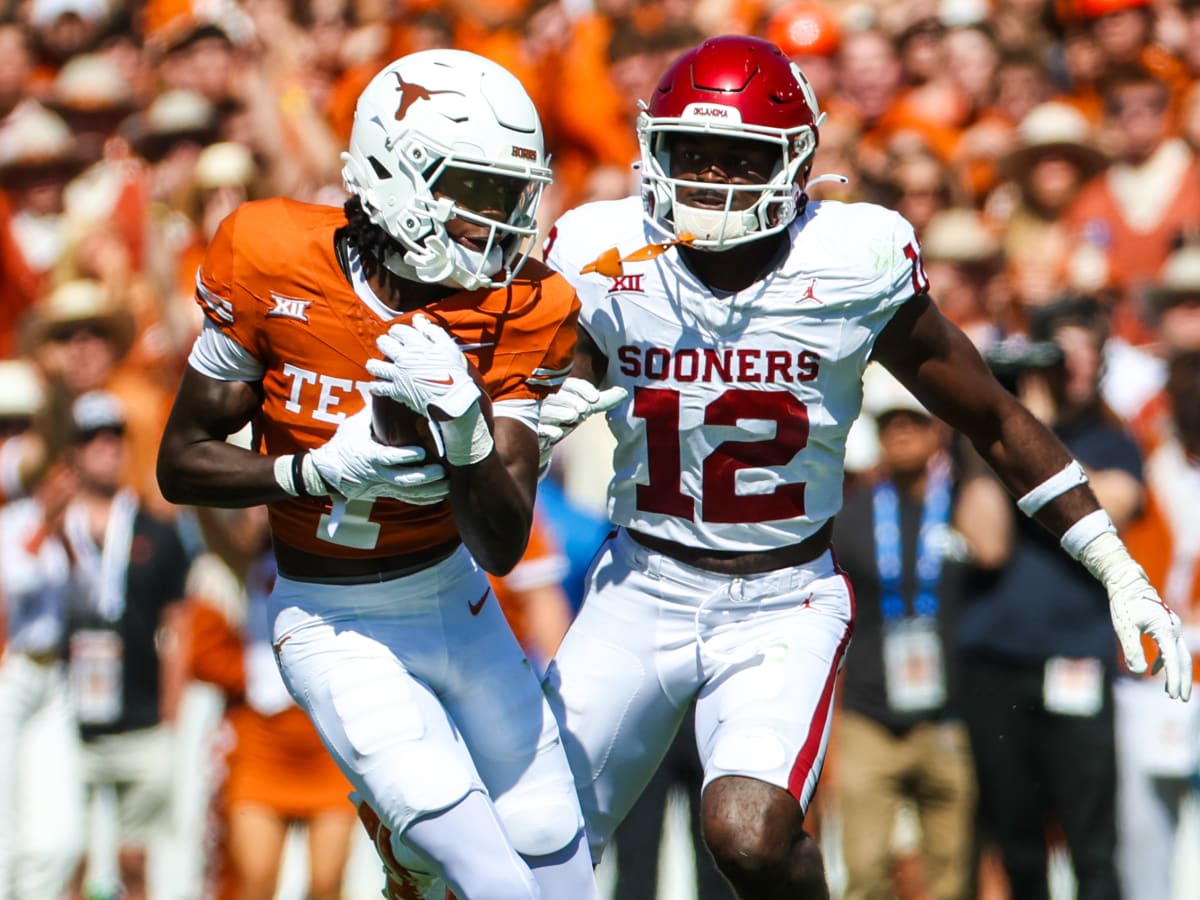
(733, 435)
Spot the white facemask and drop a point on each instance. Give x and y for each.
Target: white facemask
(446, 262)
(713, 224)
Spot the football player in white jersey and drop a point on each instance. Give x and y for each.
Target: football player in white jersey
(726, 324)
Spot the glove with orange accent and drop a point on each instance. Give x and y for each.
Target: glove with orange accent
(427, 372)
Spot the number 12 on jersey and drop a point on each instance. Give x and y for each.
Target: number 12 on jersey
(720, 502)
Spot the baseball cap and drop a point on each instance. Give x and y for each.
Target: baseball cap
(97, 410)
(883, 393)
(46, 12)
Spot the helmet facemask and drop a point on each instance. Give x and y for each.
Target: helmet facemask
(775, 202)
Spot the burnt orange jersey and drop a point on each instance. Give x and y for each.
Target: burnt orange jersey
(271, 281)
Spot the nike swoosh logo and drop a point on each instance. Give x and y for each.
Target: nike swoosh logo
(437, 380)
(476, 346)
(477, 606)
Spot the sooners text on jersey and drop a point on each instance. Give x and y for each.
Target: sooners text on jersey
(733, 435)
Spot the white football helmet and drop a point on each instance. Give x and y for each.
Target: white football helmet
(448, 113)
(737, 87)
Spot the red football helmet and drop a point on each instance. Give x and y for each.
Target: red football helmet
(740, 87)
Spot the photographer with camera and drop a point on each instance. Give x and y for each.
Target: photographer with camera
(1037, 652)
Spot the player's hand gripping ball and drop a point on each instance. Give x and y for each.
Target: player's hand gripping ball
(397, 425)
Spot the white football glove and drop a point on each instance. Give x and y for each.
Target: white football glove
(358, 467)
(564, 410)
(427, 372)
(1137, 609)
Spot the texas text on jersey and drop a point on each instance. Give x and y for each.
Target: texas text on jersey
(271, 281)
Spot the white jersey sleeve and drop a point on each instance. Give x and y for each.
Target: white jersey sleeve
(733, 434)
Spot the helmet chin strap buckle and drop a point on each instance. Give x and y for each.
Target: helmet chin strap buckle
(442, 209)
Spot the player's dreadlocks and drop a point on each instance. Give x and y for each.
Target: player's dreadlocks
(370, 241)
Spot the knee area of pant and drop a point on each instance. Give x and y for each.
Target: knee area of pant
(415, 782)
(542, 825)
(752, 751)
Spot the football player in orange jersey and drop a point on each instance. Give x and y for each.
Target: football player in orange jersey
(381, 620)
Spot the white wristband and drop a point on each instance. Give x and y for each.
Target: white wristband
(467, 438)
(1086, 530)
(1070, 476)
(283, 475)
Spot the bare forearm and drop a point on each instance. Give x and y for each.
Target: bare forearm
(195, 463)
(492, 500)
(214, 473)
(1024, 453)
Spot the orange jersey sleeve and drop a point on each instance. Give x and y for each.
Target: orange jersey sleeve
(271, 281)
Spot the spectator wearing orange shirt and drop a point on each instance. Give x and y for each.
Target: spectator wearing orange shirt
(79, 336)
(38, 159)
(1127, 220)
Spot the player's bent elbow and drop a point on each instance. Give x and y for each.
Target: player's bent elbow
(497, 549)
(495, 562)
(172, 476)
(168, 483)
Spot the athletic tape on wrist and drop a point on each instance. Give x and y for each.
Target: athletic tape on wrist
(467, 438)
(1086, 530)
(283, 475)
(1070, 476)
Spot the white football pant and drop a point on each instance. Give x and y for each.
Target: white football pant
(759, 653)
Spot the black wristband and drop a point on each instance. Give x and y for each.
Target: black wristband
(298, 474)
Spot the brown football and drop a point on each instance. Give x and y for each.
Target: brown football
(396, 425)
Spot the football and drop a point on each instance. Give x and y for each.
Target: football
(396, 425)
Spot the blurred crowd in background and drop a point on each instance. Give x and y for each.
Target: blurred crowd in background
(1047, 153)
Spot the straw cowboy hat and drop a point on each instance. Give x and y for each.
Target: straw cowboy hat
(1054, 128)
(1178, 281)
(91, 85)
(225, 164)
(960, 235)
(47, 12)
(174, 116)
(83, 302)
(37, 145)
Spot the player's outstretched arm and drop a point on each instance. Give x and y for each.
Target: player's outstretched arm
(939, 364)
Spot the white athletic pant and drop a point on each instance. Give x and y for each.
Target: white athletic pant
(421, 693)
(760, 653)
